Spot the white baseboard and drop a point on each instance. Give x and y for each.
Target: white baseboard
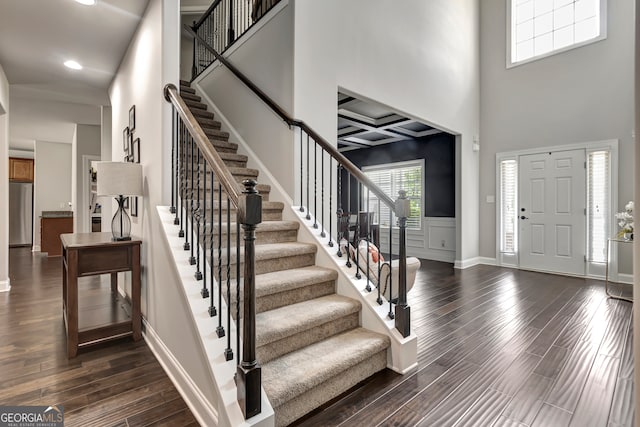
(202, 410)
(35, 248)
(472, 262)
(5, 285)
(625, 278)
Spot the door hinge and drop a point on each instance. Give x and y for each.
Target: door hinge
(585, 258)
(585, 211)
(585, 165)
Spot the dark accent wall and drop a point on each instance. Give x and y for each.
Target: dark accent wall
(438, 152)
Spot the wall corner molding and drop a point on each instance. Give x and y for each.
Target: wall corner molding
(5, 285)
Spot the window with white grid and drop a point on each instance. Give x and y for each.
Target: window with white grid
(391, 178)
(598, 204)
(542, 27)
(508, 206)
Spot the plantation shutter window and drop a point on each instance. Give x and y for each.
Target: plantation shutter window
(391, 178)
(508, 206)
(598, 204)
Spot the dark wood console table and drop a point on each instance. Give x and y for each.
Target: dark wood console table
(109, 315)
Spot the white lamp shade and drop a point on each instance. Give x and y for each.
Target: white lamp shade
(119, 178)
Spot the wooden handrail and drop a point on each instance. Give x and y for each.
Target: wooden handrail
(333, 152)
(212, 157)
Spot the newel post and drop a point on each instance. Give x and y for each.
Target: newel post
(249, 376)
(403, 311)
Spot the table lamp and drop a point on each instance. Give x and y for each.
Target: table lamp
(119, 179)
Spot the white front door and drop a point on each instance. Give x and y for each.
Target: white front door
(551, 213)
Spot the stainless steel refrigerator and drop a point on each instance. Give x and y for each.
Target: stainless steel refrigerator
(20, 213)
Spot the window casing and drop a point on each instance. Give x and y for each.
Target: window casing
(598, 204)
(539, 28)
(391, 178)
(509, 206)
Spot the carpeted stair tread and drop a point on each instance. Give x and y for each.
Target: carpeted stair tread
(244, 172)
(202, 113)
(297, 372)
(234, 157)
(191, 96)
(283, 322)
(266, 205)
(187, 89)
(274, 251)
(185, 83)
(195, 104)
(276, 282)
(223, 145)
(216, 133)
(204, 122)
(266, 226)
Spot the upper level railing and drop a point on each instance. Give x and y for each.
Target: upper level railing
(314, 170)
(222, 24)
(204, 194)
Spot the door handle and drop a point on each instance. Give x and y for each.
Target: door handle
(523, 217)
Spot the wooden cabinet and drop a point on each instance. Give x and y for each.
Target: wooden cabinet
(20, 169)
(50, 231)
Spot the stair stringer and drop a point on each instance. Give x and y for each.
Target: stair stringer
(228, 411)
(403, 354)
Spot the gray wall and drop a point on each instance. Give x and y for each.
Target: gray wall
(582, 95)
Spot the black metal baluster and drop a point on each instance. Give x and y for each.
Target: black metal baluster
(204, 291)
(315, 185)
(231, 35)
(391, 314)
(228, 352)
(188, 186)
(331, 204)
(192, 259)
(238, 286)
(340, 212)
(220, 328)
(212, 263)
(308, 205)
(357, 235)
(379, 244)
(348, 219)
(301, 173)
(368, 287)
(194, 67)
(322, 233)
(182, 180)
(174, 142)
(198, 273)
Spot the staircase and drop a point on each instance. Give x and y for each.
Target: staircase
(309, 343)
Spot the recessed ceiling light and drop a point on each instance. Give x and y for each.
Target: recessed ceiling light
(87, 2)
(73, 65)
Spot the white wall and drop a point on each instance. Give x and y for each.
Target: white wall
(267, 59)
(581, 95)
(105, 155)
(636, 243)
(186, 46)
(86, 143)
(420, 58)
(52, 182)
(151, 61)
(4, 181)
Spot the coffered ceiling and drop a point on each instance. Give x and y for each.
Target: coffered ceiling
(363, 124)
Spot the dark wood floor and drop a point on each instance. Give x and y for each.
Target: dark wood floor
(119, 384)
(503, 347)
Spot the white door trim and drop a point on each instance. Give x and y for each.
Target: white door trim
(612, 146)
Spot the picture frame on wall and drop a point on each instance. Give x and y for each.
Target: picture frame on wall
(132, 118)
(125, 140)
(135, 150)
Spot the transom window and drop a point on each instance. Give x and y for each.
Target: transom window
(391, 178)
(541, 28)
